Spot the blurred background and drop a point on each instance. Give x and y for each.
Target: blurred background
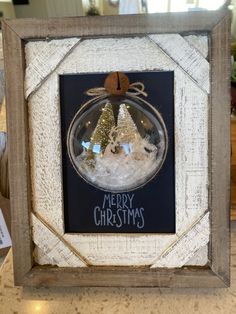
(59, 8)
(65, 8)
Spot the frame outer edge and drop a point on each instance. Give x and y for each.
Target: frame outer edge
(13, 34)
(19, 176)
(220, 150)
(124, 25)
(124, 277)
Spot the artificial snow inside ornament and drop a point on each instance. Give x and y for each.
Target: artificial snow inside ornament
(117, 142)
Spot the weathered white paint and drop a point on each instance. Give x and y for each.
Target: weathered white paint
(52, 246)
(41, 258)
(191, 145)
(45, 61)
(185, 55)
(200, 258)
(200, 43)
(188, 244)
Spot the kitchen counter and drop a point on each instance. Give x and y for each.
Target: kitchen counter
(17, 300)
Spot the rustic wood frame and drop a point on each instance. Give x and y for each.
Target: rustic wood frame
(15, 33)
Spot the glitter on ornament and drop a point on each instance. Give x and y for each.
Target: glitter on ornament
(118, 158)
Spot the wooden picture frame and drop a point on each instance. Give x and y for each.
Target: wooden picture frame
(16, 33)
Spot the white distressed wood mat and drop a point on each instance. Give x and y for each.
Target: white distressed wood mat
(187, 57)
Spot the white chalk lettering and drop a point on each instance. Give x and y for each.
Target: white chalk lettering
(118, 211)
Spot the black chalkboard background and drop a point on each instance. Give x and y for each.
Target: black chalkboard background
(153, 204)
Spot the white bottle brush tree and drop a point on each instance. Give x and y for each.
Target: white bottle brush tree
(117, 154)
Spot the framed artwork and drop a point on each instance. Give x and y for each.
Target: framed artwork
(118, 144)
(120, 149)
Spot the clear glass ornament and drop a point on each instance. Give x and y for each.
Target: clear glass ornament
(117, 143)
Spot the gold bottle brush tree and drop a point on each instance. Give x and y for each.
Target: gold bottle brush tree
(127, 145)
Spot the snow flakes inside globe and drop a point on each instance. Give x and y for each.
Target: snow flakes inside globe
(117, 144)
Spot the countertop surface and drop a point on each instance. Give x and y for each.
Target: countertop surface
(17, 300)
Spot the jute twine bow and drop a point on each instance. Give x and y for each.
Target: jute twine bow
(135, 89)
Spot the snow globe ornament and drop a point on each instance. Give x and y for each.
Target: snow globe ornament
(117, 141)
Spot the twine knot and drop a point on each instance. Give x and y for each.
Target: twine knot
(135, 89)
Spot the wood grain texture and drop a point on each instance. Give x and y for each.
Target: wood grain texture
(199, 42)
(200, 258)
(191, 143)
(186, 56)
(117, 25)
(20, 189)
(220, 158)
(40, 257)
(123, 277)
(46, 61)
(54, 246)
(20, 179)
(180, 252)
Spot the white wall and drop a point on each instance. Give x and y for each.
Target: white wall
(36, 8)
(233, 29)
(58, 8)
(7, 9)
(49, 8)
